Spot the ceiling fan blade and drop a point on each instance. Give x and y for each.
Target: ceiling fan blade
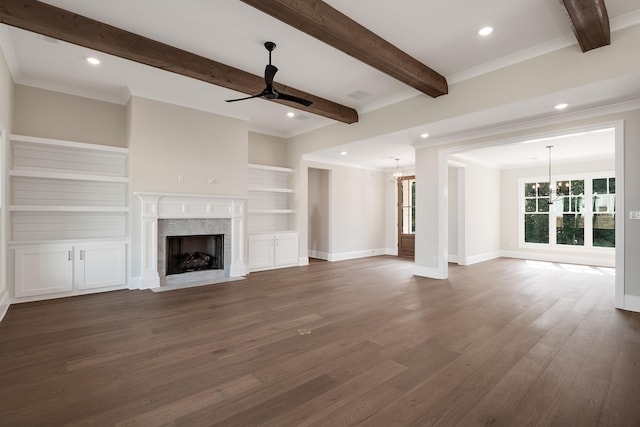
(247, 97)
(269, 73)
(292, 98)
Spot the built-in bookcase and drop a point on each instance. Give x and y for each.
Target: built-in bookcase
(269, 194)
(272, 241)
(68, 201)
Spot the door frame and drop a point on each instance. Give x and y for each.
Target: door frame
(404, 252)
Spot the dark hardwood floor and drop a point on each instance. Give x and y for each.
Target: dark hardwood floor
(502, 343)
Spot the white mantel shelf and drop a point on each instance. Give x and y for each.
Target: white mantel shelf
(157, 206)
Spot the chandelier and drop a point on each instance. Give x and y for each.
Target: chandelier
(398, 173)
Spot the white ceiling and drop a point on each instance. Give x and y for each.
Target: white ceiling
(443, 35)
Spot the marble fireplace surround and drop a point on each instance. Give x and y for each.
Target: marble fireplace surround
(156, 206)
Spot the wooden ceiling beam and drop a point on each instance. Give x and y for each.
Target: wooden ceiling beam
(590, 22)
(330, 26)
(63, 25)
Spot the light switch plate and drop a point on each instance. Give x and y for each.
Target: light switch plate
(634, 215)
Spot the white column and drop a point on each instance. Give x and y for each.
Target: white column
(149, 243)
(431, 214)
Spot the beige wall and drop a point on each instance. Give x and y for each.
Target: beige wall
(6, 94)
(48, 114)
(267, 150)
(6, 101)
(357, 210)
(452, 236)
(167, 141)
(482, 211)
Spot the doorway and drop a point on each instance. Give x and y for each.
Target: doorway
(407, 216)
(319, 181)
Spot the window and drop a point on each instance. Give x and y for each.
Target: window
(536, 208)
(604, 212)
(569, 211)
(582, 213)
(407, 194)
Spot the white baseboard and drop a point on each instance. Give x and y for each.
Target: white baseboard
(317, 254)
(474, 259)
(430, 272)
(303, 260)
(343, 256)
(632, 303)
(4, 303)
(453, 258)
(391, 251)
(569, 259)
(134, 283)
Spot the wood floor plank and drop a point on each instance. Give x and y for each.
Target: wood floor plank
(504, 342)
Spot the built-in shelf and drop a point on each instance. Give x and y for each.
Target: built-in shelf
(270, 168)
(271, 211)
(269, 199)
(67, 191)
(42, 208)
(69, 144)
(265, 189)
(51, 174)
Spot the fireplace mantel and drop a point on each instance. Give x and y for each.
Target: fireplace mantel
(157, 206)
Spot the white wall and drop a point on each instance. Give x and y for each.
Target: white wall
(319, 213)
(510, 207)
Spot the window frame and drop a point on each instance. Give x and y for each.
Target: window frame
(588, 213)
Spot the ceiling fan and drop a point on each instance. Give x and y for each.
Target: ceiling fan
(269, 91)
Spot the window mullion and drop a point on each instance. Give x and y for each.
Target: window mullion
(588, 214)
(552, 223)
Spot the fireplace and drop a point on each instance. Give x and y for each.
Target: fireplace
(194, 253)
(187, 215)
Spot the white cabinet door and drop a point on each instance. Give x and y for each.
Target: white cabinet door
(286, 249)
(42, 270)
(100, 265)
(261, 251)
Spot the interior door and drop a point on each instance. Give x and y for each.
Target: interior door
(406, 216)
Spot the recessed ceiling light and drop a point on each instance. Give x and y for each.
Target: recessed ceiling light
(343, 153)
(424, 135)
(485, 31)
(561, 106)
(93, 61)
(291, 114)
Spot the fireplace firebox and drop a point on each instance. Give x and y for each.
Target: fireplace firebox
(194, 253)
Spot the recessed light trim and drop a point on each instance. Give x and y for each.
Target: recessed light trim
(343, 153)
(291, 114)
(424, 135)
(561, 106)
(93, 60)
(485, 31)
